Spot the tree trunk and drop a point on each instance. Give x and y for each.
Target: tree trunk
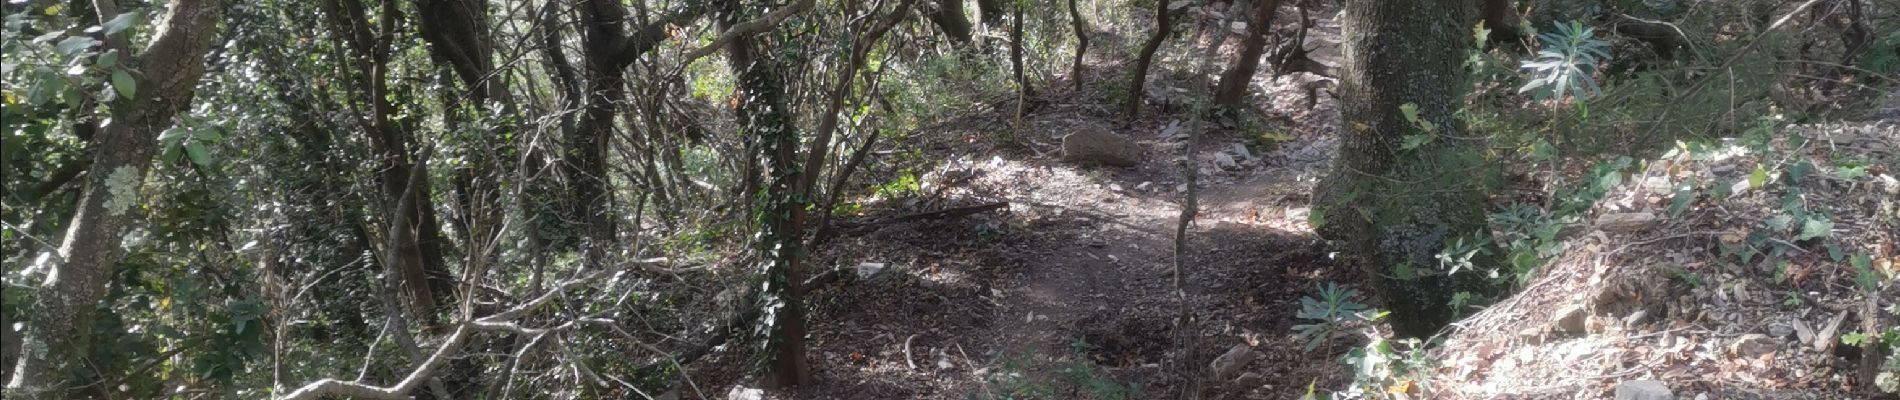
(768, 124)
(992, 12)
(1081, 27)
(949, 16)
(419, 255)
(1396, 209)
(586, 153)
(1233, 83)
(57, 340)
(1500, 16)
(1023, 91)
(1138, 78)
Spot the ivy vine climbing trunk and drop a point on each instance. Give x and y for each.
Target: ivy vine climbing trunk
(1233, 83)
(166, 73)
(1395, 209)
(770, 128)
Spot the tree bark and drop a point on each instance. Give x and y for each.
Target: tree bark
(1500, 16)
(763, 113)
(607, 49)
(419, 256)
(949, 16)
(586, 147)
(1138, 78)
(1396, 209)
(992, 12)
(167, 71)
(1081, 27)
(1234, 82)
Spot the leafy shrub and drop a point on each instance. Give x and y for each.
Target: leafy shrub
(1334, 308)
(1567, 63)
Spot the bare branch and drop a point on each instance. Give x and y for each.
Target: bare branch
(747, 28)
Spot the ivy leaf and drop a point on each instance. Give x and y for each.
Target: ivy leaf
(1758, 178)
(73, 44)
(1684, 197)
(1542, 150)
(122, 21)
(1800, 171)
(1413, 141)
(1815, 228)
(107, 60)
(124, 84)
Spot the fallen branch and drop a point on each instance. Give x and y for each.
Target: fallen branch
(939, 214)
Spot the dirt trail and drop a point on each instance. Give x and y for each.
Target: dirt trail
(1067, 293)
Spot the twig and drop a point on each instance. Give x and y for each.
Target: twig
(907, 360)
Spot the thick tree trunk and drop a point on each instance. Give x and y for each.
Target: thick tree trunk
(992, 13)
(57, 340)
(1500, 16)
(949, 16)
(1234, 82)
(1396, 209)
(769, 125)
(1138, 78)
(586, 153)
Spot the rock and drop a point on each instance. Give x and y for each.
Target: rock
(1240, 150)
(1570, 320)
(1144, 185)
(1225, 162)
(1780, 331)
(1096, 146)
(869, 270)
(1249, 381)
(1802, 333)
(1635, 318)
(1228, 364)
(1624, 222)
(1752, 345)
(745, 393)
(1826, 340)
(1644, 390)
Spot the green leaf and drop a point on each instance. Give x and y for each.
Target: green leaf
(1684, 197)
(124, 84)
(1410, 111)
(1758, 178)
(199, 155)
(1835, 253)
(122, 21)
(1542, 150)
(1815, 228)
(1413, 141)
(1864, 274)
(1800, 171)
(73, 44)
(108, 59)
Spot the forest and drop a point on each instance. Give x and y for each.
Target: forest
(950, 199)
